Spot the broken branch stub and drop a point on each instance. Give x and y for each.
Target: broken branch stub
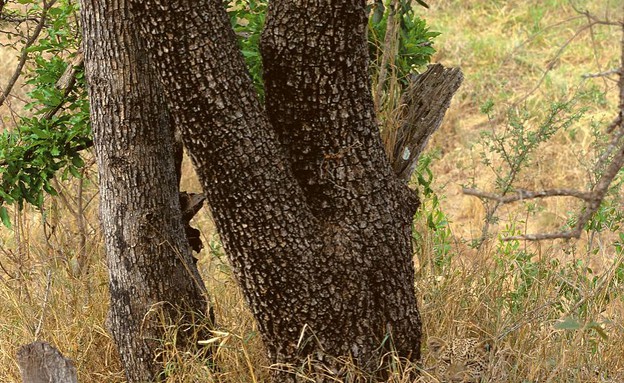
(426, 100)
(40, 362)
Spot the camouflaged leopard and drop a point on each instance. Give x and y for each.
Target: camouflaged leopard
(463, 361)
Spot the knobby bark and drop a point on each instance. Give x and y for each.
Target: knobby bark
(150, 265)
(315, 222)
(318, 99)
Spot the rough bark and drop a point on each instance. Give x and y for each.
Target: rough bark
(425, 103)
(319, 101)
(40, 362)
(150, 265)
(315, 222)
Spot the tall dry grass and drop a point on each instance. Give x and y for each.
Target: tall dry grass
(554, 310)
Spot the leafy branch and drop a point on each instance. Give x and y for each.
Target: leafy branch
(47, 5)
(612, 161)
(57, 129)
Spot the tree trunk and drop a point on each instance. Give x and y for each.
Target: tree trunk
(316, 224)
(150, 265)
(319, 102)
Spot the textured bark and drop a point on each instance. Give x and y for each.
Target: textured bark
(39, 362)
(319, 101)
(319, 238)
(426, 100)
(315, 222)
(149, 259)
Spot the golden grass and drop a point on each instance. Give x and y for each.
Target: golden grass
(514, 293)
(504, 50)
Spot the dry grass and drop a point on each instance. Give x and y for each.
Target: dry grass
(511, 292)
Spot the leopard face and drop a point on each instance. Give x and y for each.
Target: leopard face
(463, 360)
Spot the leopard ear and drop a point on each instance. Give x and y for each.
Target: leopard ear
(436, 345)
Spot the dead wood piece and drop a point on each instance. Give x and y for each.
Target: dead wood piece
(39, 362)
(190, 204)
(67, 80)
(426, 100)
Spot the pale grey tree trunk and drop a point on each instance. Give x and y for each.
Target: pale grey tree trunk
(150, 265)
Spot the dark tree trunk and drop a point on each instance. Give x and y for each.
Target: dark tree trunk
(319, 102)
(149, 259)
(315, 222)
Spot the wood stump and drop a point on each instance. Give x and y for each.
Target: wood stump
(40, 362)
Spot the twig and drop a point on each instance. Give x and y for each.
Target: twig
(551, 64)
(617, 122)
(526, 318)
(24, 55)
(66, 82)
(601, 74)
(521, 195)
(45, 304)
(614, 144)
(18, 20)
(541, 237)
(10, 34)
(593, 198)
(595, 19)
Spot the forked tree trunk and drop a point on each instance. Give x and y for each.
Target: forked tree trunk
(316, 224)
(150, 266)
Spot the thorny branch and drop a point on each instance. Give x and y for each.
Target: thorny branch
(521, 195)
(592, 198)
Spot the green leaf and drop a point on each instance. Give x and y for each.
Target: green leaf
(74, 172)
(568, 323)
(77, 161)
(422, 3)
(4, 215)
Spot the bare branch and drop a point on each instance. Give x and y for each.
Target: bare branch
(593, 198)
(540, 237)
(17, 20)
(595, 19)
(602, 74)
(552, 62)
(521, 195)
(617, 122)
(615, 141)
